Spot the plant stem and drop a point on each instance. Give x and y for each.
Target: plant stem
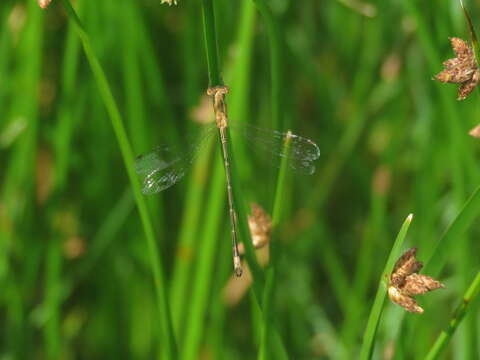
(168, 340)
(457, 228)
(244, 233)
(462, 309)
(214, 76)
(211, 45)
(377, 308)
(269, 290)
(274, 39)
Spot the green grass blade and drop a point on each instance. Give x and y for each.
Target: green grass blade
(276, 66)
(203, 272)
(279, 206)
(216, 80)
(443, 248)
(168, 340)
(471, 31)
(377, 308)
(460, 312)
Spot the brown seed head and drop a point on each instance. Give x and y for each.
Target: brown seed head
(407, 302)
(462, 69)
(44, 3)
(169, 2)
(405, 282)
(475, 132)
(260, 224)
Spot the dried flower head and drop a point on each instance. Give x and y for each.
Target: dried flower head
(475, 132)
(44, 3)
(260, 224)
(405, 282)
(169, 2)
(462, 69)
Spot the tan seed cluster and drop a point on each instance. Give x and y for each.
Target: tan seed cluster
(260, 224)
(405, 282)
(475, 132)
(169, 2)
(462, 69)
(44, 3)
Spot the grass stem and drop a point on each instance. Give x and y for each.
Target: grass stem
(462, 310)
(168, 340)
(377, 308)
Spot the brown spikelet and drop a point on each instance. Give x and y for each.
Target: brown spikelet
(405, 282)
(44, 3)
(405, 301)
(475, 132)
(260, 224)
(417, 284)
(462, 69)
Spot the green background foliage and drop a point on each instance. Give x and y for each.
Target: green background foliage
(77, 276)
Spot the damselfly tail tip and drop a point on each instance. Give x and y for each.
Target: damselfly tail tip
(237, 266)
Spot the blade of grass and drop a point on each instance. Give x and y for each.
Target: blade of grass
(18, 185)
(462, 310)
(442, 251)
(215, 80)
(279, 206)
(168, 340)
(205, 266)
(377, 308)
(188, 242)
(457, 228)
(276, 66)
(471, 30)
(53, 299)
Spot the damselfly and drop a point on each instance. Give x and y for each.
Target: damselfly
(162, 167)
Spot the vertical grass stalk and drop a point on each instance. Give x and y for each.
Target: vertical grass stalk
(275, 41)
(279, 206)
(167, 337)
(377, 308)
(215, 79)
(462, 309)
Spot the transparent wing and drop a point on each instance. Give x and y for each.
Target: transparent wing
(164, 166)
(303, 152)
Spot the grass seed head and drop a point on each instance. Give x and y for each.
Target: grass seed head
(462, 69)
(475, 132)
(169, 2)
(405, 282)
(260, 224)
(44, 3)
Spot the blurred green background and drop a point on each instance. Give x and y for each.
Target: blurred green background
(75, 273)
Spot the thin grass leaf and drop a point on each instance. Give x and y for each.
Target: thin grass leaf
(377, 308)
(244, 234)
(443, 247)
(168, 339)
(279, 206)
(471, 31)
(461, 311)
